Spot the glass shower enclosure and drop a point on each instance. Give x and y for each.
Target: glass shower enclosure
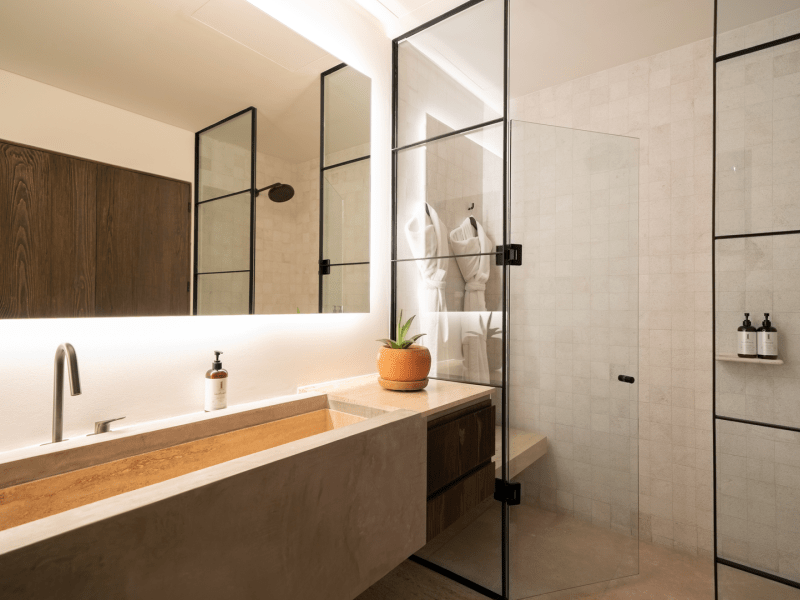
(555, 333)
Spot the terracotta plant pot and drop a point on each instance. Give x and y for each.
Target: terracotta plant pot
(407, 369)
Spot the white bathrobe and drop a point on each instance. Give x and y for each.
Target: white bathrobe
(427, 238)
(475, 269)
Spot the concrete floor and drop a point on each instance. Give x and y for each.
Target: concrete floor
(554, 557)
(557, 557)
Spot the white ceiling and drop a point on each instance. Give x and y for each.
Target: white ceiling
(156, 58)
(153, 58)
(554, 41)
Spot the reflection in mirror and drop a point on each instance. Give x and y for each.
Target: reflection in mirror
(115, 228)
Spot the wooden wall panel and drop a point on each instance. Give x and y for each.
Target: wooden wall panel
(47, 241)
(143, 229)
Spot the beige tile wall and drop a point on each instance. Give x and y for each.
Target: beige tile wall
(666, 102)
(757, 173)
(574, 207)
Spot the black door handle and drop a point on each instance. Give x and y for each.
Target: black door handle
(626, 379)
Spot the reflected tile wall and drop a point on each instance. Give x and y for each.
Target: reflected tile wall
(666, 102)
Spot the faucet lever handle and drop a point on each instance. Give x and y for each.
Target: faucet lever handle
(104, 426)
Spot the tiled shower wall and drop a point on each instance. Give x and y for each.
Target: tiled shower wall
(666, 102)
(758, 146)
(287, 238)
(574, 207)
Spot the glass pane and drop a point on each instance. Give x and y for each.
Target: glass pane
(758, 141)
(223, 234)
(347, 115)
(226, 158)
(574, 207)
(739, 585)
(452, 72)
(450, 195)
(759, 275)
(223, 294)
(463, 325)
(746, 24)
(346, 290)
(758, 498)
(346, 200)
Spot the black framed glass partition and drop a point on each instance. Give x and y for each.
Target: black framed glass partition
(225, 184)
(344, 191)
(516, 245)
(755, 260)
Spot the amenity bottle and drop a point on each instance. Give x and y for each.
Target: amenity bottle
(216, 386)
(746, 347)
(767, 340)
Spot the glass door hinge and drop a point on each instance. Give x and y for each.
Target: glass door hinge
(325, 267)
(510, 493)
(510, 254)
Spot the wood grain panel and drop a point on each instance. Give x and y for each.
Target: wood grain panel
(458, 446)
(143, 227)
(47, 234)
(449, 505)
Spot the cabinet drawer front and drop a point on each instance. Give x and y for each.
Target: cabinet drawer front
(458, 446)
(450, 505)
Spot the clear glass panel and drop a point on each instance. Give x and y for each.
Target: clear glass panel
(346, 203)
(442, 187)
(346, 290)
(223, 235)
(740, 585)
(452, 72)
(743, 24)
(574, 207)
(759, 275)
(223, 294)
(758, 498)
(463, 324)
(226, 155)
(347, 115)
(758, 142)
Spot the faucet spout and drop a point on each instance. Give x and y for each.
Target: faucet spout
(64, 352)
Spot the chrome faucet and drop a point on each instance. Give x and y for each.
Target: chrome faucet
(65, 351)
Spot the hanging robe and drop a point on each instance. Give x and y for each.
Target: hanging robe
(427, 238)
(474, 269)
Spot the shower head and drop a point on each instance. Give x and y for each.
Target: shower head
(278, 192)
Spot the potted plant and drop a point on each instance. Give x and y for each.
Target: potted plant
(403, 365)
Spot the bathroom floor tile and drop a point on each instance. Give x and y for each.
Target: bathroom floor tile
(549, 552)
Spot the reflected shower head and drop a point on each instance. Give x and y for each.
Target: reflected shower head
(278, 192)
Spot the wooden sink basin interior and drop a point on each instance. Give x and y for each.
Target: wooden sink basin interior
(44, 497)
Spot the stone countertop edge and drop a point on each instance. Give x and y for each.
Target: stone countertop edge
(365, 390)
(48, 527)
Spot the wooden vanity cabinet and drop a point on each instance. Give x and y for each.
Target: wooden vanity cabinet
(461, 472)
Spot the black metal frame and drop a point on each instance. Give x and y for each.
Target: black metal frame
(325, 264)
(197, 203)
(506, 296)
(718, 560)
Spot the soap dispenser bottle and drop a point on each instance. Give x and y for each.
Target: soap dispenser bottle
(767, 340)
(746, 347)
(216, 385)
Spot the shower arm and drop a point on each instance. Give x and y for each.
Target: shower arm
(269, 187)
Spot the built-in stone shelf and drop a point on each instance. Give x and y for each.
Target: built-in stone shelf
(753, 361)
(525, 448)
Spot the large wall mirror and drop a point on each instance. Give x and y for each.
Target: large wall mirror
(275, 219)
